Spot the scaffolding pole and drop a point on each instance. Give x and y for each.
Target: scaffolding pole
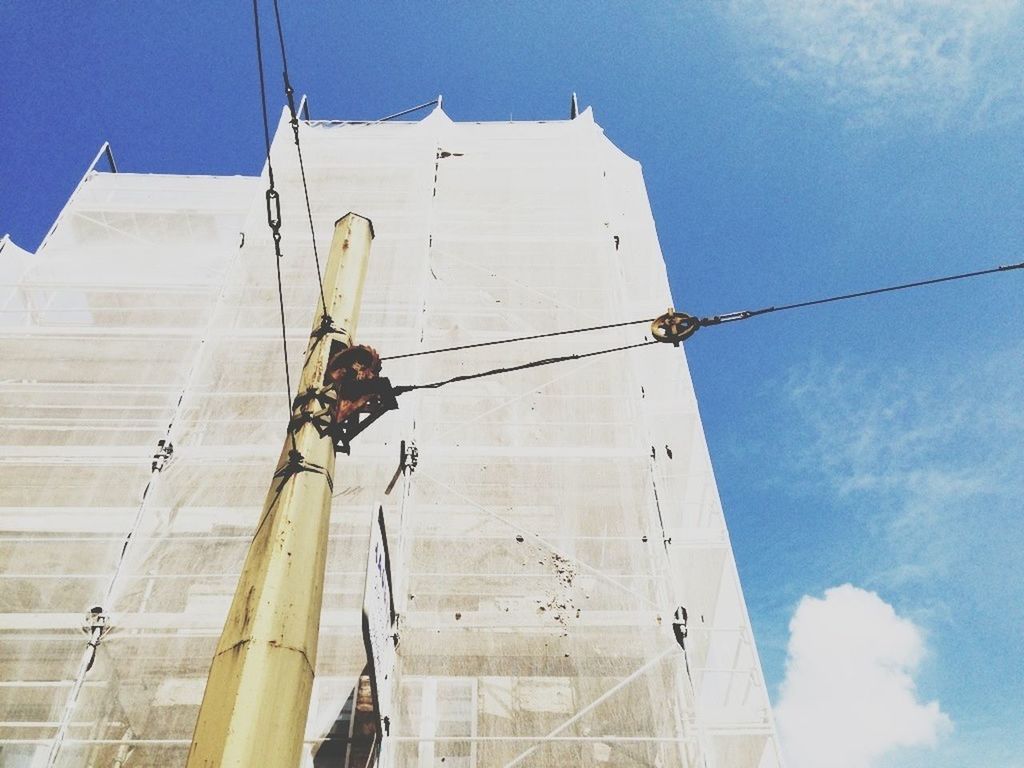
(258, 691)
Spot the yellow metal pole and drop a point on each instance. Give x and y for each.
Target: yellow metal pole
(257, 693)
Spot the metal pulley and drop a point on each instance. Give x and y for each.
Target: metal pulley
(674, 327)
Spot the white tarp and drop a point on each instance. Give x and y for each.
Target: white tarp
(556, 519)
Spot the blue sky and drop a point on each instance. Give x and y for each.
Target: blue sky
(792, 149)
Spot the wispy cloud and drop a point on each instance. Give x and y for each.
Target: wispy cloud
(849, 696)
(882, 59)
(932, 455)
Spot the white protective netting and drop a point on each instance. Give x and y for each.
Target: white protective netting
(555, 520)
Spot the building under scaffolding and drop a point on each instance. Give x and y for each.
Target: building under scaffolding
(545, 525)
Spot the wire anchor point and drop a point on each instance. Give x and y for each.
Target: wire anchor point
(674, 327)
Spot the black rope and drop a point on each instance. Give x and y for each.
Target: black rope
(273, 202)
(733, 316)
(520, 338)
(294, 122)
(523, 366)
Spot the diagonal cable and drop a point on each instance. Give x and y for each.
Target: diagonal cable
(518, 338)
(294, 122)
(405, 112)
(718, 319)
(520, 367)
(745, 314)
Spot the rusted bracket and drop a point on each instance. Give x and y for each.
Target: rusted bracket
(355, 394)
(381, 399)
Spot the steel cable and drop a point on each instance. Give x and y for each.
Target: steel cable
(716, 319)
(273, 203)
(745, 314)
(517, 339)
(702, 322)
(521, 367)
(294, 122)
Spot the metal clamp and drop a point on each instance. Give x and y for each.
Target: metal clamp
(95, 625)
(297, 463)
(95, 619)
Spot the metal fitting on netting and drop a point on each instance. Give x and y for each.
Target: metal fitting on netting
(95, 625)
(679, 628)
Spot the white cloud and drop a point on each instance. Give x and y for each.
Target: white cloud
(917, 466)
(934, 58)
(849, 695)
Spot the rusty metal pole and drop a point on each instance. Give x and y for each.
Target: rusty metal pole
(258, 690)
